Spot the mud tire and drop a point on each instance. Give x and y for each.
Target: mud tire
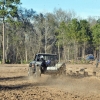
(37, 74)
(62, 70)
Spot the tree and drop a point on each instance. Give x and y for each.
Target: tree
(45, 29)
(84, 35)
(98, 21)
(40, 29)
(61, 15)
(8, 11)
(62, 18)
(73, 33)
(26, 17)
(96, 38)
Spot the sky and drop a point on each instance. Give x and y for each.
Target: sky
(82, 8)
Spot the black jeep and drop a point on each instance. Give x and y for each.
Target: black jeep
(43, 63)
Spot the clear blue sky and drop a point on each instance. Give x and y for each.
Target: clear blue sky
(82, 8)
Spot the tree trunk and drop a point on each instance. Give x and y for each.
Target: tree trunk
(68, 55)
(26, 54)
(94, 53)
(59, 51)
(83, 51)
(3, 42)
(75, 51)
(99, 52)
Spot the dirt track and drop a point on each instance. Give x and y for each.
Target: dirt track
(16, 85)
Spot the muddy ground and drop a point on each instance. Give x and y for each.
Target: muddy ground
(16, 85)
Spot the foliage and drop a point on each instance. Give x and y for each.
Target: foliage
(84, 34)
(9, 8)
(96, 35)
(28, 32)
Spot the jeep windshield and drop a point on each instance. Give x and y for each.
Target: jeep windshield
(46, 57)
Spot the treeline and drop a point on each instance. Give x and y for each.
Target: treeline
(60, 32)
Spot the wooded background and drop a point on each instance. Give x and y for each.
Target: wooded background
(60, 32)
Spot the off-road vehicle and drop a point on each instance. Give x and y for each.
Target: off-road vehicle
(51, 66)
